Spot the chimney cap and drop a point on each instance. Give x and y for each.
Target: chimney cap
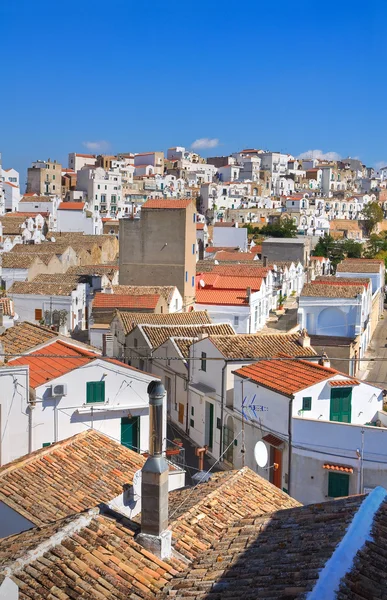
(156, 389)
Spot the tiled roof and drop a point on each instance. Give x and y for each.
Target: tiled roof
(71, 206)
(7, 306)
(331, 291)
(23, 336)
(43, 369)
(281, 555)
(225, 223)
(60, 278)
(102, 300)
(129, 320)
(234, 256)
(33, 198)
(165, 291)
(42, 289)
(183, 344)
(286, 376)
(251, 270)
(342, 280)
(221, 297)
(199, 226)
(260, 345)
(358, 267)
(344, 382)
(9, 260)
(257, 249)
(158, 334)
(222, 282)
(99, 270)
(213, 249)
(68, 476)
(161, 203)
(32, 215)
(340, 468)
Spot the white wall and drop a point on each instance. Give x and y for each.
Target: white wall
(14, 413)
(230, 236)
(125, 394)
(76, 220)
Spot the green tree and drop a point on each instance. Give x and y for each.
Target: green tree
(373, 214)
(352, 249)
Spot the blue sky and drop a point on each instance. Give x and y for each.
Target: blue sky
(123, 76)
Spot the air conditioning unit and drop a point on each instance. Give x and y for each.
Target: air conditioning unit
(58, 390)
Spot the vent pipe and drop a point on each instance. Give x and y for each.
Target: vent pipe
(154, 483)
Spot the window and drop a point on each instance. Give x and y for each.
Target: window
(338, 485)
(194, 216)
(95, 391)
(177, 304)
(38, 314)
(192, 411)
(341, 405)
(46, 444)
(193, 280)
(53, 176)
(53, 187)
(191, 423)
(307, 403)
(236, 321)
(98, 187)
(203, 362)
(135, 342)
(186, 275)
(193, 248)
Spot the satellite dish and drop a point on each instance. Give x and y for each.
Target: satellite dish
(53, 239)
(202, 283)
(260, 454)
(137, 477)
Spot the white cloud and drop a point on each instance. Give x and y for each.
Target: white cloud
(320, 154)
(203, 143)
(100, 145)
(380, 164)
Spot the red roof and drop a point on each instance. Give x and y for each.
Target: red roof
(225, 282)
(221, 297)
(25, 214)
(43, 369)
(59, 358)
(30, 194)
(286, 376)
(102, 300)
(161, 203)
(241, 270)
(199, 226)
(257, 249)
(71, 206)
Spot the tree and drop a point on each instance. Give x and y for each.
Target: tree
(373, 214)
(330, 248)
(352, 249)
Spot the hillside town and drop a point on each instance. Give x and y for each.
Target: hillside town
(193, 365)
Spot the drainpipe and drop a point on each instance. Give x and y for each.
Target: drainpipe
(290, 428)
(31, 405)
(222, 410)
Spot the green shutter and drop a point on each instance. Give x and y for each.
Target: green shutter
(46, 444)
(95, 391)
(307, 403)
(341, 404)
(338, 485)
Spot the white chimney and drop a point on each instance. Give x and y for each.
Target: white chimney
(304, 339)
(154, 483)
(324, 361)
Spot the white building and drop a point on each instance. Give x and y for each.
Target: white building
(318, 413)
(60, 398)
(103, 189)
(74, 216)
(337, 308)
(77, 161)
(277, 164)
(11, 197)
(62, 305)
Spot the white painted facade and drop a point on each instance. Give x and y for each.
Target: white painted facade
(230, 236)
(103, 189)
(73, 305)
(77, 161)
(79, 220)
(14, 420)
(11, 197)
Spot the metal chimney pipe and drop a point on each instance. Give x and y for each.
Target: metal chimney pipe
(154, 480)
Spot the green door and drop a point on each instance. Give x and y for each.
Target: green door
(338, 485)
(129, 433)
(341, 400)
(209, 425)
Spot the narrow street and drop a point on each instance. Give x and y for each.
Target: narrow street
(376, 372)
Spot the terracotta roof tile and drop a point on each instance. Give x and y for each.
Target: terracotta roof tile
(223, 282)
(158, 334)
(8, 307)
(118, 301)
(165, 291)
(71, 206)
(234, 256)
(221, 297)
(260, 345)
(42, 289)
(23, 336)
(358, 267)
(286, 376)
(129, 320)
(340, 468)
(10, 260)
(344, 382)
(331, 291)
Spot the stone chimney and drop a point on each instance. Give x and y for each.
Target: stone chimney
(304, 339)
(154, 483)
(324, 361)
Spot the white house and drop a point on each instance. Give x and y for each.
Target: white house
(103, 189)
(337, 307)
(232, 236)
(77, 161)
(62, 305)
(212, 361)
(73, 216)
(293, 407)
(69, 390)
(11, 196)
